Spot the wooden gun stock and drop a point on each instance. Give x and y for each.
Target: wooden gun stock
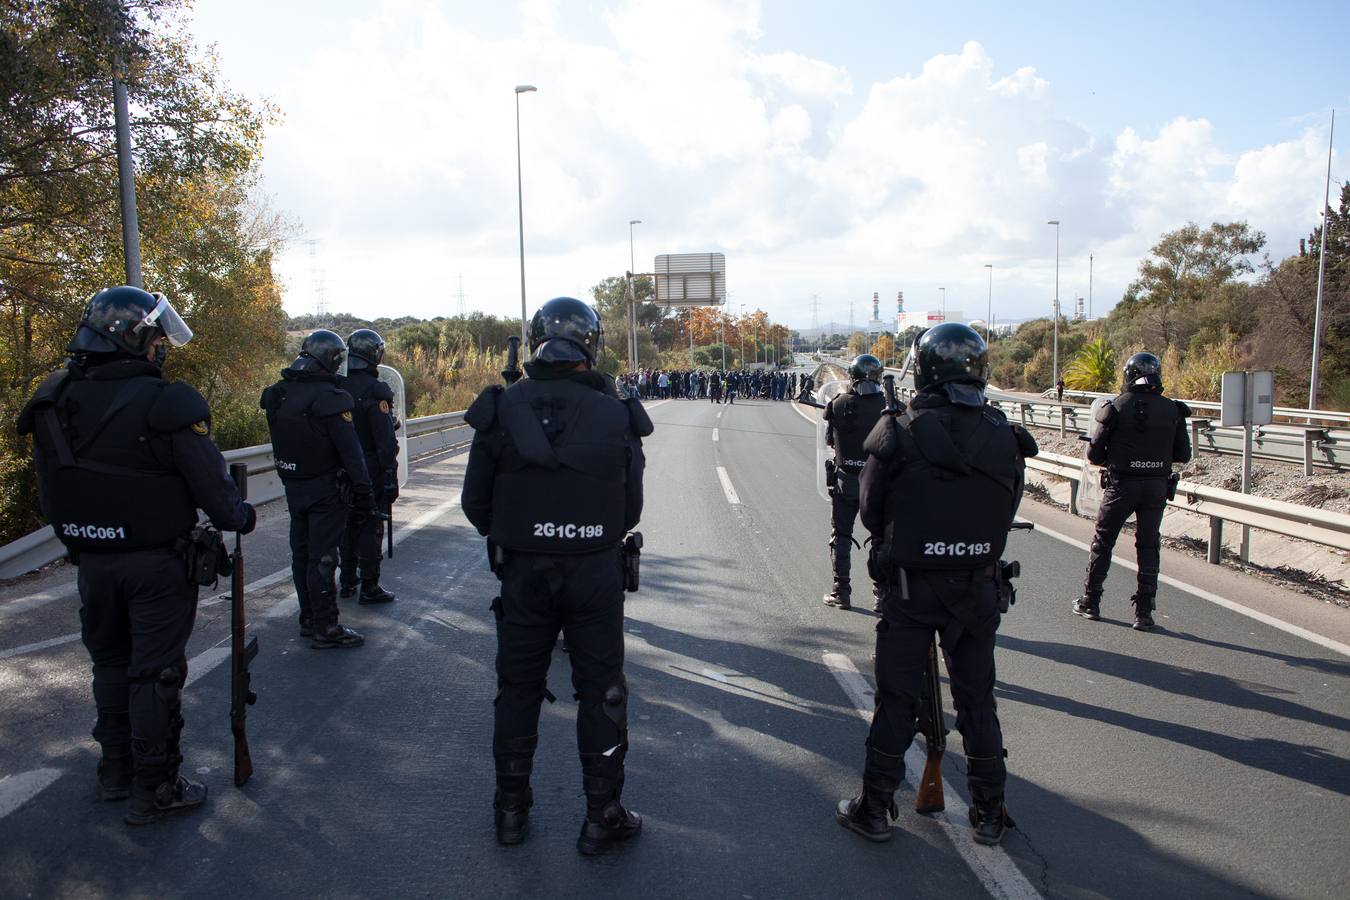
(929, 798)
(242, 651)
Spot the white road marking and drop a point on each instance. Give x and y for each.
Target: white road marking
(801, 411)
(726, 486)
(991, 865)
(714, 435)
(1286, 627)
(40, 645)
(16, 790)
(33, 601)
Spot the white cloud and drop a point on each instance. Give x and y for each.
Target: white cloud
(398, 152)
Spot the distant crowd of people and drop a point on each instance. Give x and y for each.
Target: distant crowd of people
(714, 385)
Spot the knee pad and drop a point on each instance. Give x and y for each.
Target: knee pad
(327, 564)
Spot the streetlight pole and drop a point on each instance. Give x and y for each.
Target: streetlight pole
(1089, 287)
(1321, 271)
(632, 298)
(742, 330)
(944, 303)
(989, 314)
(1055, 370)
(520, 210)
(126, 176)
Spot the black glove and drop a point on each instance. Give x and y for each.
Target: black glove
(363, 500)
(391, 484)
(250, 518)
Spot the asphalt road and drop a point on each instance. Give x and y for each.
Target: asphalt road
(1208, 759)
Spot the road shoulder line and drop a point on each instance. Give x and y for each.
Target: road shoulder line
(991, 865)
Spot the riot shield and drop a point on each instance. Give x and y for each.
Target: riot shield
(391, 377)
(1090, 487)
(823, 395)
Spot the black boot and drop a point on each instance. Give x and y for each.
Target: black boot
(866, 814)
(174, 794)
(115, 771)
(306, 626)
(371, 592)
(1143, 613)
(839, 597)
(990, 819)
(346, 591)
(511, 805)
(605, 826)
(1088, 607)
(333, 635)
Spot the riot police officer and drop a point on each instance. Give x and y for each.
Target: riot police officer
(1140, 435)
(554, 480)
(373, 415)
(849, 418)
(124, 460)
(320, 462)
(942, 481)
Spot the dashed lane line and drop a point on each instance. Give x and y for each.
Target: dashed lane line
(727, 489)
(714, 435)
(1281, 625)
(991, 865)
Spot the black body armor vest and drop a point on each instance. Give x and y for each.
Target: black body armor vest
(852, 418)
(1140, 445)
(956, 493)
(108, 477)
(561, 476)
(361, 385)
(300, 443)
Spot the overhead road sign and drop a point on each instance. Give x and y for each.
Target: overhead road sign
(691, 279)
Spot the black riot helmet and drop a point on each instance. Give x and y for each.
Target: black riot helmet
(566, 330)
(950, 352)
(865, 374)
(365, 349)
(1143, 370)
(323, 350)
(125, 320)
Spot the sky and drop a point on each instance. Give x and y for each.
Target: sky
(828, 150)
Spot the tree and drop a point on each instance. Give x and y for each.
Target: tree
(1093, 368)
(857, 343)
(883, 348)
(204, 243)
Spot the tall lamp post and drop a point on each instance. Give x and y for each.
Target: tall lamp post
(742, 330)
(989, 314)
(944, 303)
(632, 298)
(1321, 272)
(1054, 376)
(520, 210)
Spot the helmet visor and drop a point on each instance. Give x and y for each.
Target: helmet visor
(166, 319)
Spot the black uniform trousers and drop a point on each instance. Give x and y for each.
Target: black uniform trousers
(962, 608)
(1146, 498)
(136, 615)
(318, 518)
(581, 595)
(843, 514)
(362, 545)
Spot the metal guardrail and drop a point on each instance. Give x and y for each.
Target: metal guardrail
(1306, 523)
(1287, 412)
(425, 435)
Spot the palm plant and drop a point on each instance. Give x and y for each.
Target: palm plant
(1093, 368)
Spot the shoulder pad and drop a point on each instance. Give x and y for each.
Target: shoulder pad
(883, 442)
(270, 398)
(332, 401)
(45, 394)
(482, 412)
(1026, 444)
(382, 391)
(638, 420)
(1182, 409)
(1106, 412)
(178, 406)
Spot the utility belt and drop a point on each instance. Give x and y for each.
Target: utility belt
(204, 555)
(1111, 479)
(883, 570)
(630, 559)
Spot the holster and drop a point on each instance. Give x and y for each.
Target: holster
(496, 557)
(204, 555)
(831, 474)
(1172, 481)
(1106, 480)
(880, 567)
(632, 559)
(1007, 593)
